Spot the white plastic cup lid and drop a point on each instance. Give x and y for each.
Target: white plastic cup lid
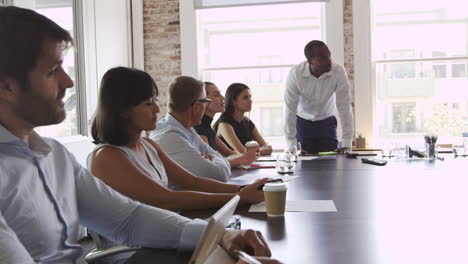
(251, 144)
(275, 187)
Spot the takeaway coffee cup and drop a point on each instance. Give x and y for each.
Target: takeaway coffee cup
(251, 144)
(275, 198)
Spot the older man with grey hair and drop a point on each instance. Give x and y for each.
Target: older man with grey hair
(175, 133)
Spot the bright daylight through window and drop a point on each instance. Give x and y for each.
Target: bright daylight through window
(420, 51)
(257, 45)
(62, 13)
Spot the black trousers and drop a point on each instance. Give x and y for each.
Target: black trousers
(317, 136)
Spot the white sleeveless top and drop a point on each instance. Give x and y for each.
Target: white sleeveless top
(155, 170)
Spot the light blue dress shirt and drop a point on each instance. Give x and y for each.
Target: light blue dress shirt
(45, 194)
(185, 147)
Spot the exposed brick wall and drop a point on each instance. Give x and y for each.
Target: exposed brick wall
(349, 48)
(348, 42)
(161, 26)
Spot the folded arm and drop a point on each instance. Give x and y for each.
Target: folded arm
(189, 157)
(183, 179)
(180, 177)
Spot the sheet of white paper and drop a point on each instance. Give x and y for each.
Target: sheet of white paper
(253, 178)
(300, 206)
(258, 165)
(267, 158)
(307, 157)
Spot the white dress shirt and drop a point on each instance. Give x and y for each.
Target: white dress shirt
(314, 99)
(185, 147)
(45, 194)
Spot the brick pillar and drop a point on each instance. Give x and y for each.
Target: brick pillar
(161, 26)
(348, 41)
(348, 45)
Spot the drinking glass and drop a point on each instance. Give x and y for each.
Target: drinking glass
(459, 149)
(294, 151)
(389, 149)
(285, 163)
(400, 152)
(465, 144)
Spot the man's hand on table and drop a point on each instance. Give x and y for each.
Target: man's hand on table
(342, 150)
(249, 241)
(249, 194)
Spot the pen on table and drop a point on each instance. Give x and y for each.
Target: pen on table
(260, 187)
(247, 258)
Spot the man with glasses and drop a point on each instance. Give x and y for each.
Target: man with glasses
(206, 101)
(176, 136)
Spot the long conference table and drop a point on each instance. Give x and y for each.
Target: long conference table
(408, 211)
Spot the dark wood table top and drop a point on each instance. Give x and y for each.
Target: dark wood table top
(405, 212)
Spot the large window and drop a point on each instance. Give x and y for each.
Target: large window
(61, 12)
(257, 45)
(420, 55)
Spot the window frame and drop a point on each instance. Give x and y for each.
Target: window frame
(189, 49)
(365, 96)
(80, 62)
(332, 11)
(80, 69)
(87, 59)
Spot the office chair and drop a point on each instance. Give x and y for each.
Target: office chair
(104, 255)
(105, 251)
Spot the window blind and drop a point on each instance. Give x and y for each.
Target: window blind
(203, 4)
(5, 2)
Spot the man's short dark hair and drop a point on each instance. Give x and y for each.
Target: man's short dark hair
(183, 91)
(121, 89)
(23, 33)
(310, 47)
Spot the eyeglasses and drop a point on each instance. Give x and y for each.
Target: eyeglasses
(203, 100)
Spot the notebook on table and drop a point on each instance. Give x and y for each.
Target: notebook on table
(208, 250)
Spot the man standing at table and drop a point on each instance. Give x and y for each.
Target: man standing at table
(44, 193)
(313, 88)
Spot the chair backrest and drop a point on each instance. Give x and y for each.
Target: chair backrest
(106, 251)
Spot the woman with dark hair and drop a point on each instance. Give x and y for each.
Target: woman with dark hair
(136, 166)
(235, 129)
(209, 136)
